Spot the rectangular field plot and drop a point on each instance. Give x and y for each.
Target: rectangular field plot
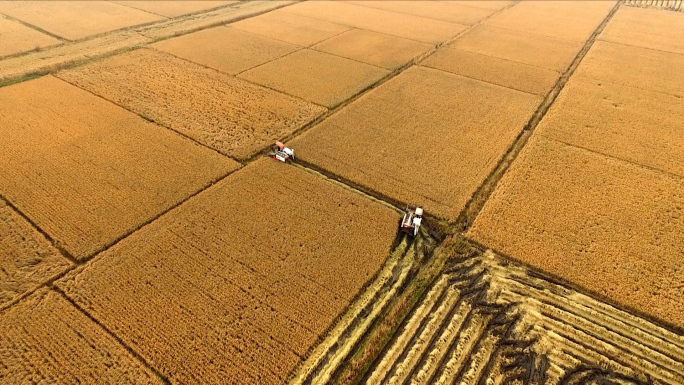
(26, 258)
(648, 28)
(438, 10)
(506, 73)
(243, 277)
(232, 116)
(373, 48)
(86, 171)
(640, 126)
(522, 47)
(75, 20)
(290, 28)
(612, 227)
(571, 20)
(425, 137)
(318, 77)
(378, 20)
(17, 38)
(226, 49)
(174, 8)
(648, 69)
(46, 340)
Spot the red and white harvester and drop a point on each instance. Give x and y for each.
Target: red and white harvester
(411, 221)
(279, 152)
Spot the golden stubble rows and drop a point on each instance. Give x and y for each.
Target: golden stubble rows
(243, 278)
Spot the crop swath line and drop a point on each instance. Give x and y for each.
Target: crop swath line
(481, 195)
(130, 350)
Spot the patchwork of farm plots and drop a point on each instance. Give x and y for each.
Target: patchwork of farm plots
(425, 137)
(142, 240)
(227, 114)
(253, 270)
(88, 172)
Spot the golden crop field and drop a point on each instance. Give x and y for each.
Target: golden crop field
(243, 290)
(609, 226)
(16, 38)
(434, 149)
(45, 340)
(337, 78)
(153, 229)
(73, 20)
(87, 171)
(619, 121)
(224, 113)
(27, 258)
(228, 50)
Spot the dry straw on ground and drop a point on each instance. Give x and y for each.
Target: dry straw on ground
(86, 171)
(218, 110)
(425, 137)
(612, 227)
(243, 278)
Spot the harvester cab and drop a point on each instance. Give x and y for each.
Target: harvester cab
(281, 153)
(411, 221)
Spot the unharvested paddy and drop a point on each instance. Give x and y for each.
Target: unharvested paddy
(227, 114)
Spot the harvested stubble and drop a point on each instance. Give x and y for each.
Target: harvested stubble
(16, 38)
(74, 20)
(290, 28)
(86, 171)
(174, 8)
(377, 20)
(506, 73)
(316, 76)
(227, 114)
(648, 28)
(438, 10)
(373, 48)
(226, 49)
(425, 137)
(46, 340)
(26, 257)
(243, 278)
(523, 47)
(619, 121)
(638, 67)
(572, 20)
(612, 227)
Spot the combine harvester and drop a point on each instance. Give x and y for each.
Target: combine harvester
(278, 151)
(410, 224)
